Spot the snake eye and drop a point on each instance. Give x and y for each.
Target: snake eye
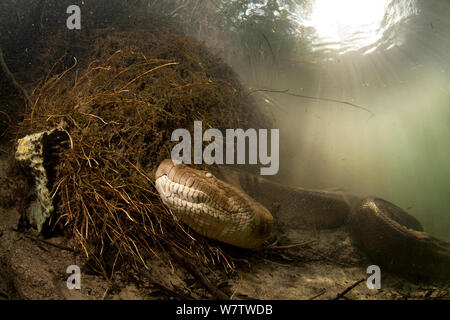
(208, 175)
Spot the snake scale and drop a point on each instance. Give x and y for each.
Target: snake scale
(217, 207)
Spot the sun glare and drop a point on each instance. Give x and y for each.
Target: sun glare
(356, 23)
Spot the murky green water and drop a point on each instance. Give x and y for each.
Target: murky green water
(360, 90)
(391, 57)
(402, 153)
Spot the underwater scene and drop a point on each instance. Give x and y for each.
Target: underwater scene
(224, 150)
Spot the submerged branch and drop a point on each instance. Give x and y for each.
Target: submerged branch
(13, 79)
(313, 98)
(348, 289)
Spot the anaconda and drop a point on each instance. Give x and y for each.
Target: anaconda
(233, 207)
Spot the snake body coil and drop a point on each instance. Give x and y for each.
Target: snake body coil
(218, 210)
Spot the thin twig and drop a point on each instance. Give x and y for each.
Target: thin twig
(13, 79)
(343, 293)
(318, 295)
(147, 72)
(328, 258)
(275, 247)
(313, 98)
(49, 243)
(216, 292)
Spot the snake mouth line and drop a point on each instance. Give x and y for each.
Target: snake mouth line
(179, 191)
(177, 195)
(212, 207)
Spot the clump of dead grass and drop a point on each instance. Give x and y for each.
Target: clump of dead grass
(119, 103)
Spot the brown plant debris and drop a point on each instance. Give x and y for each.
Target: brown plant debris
(119, 103)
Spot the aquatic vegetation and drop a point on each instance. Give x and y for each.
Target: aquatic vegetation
(119, 102)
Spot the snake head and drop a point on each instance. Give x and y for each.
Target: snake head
(212, 207)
